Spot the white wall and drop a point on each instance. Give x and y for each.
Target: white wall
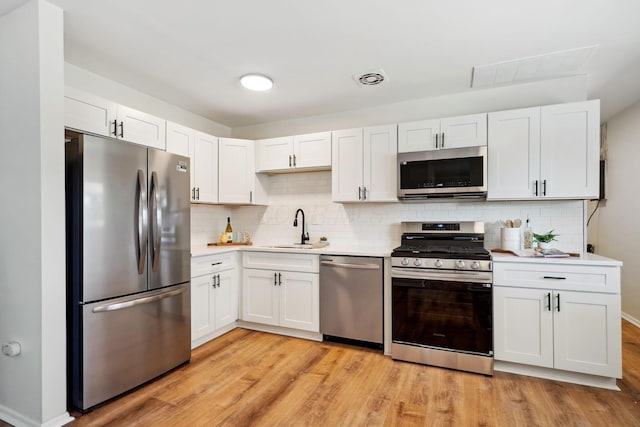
(80, 78)
(373, 224)
(615, 228)
(476, 101)
(32, 260)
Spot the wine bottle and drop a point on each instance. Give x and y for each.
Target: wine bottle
(229, 231)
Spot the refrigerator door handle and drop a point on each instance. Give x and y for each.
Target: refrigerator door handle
(141, 223)
(136, 301)
(156, 212)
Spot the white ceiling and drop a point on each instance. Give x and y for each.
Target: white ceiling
(192, 53)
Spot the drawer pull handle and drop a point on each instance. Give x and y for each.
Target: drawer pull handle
(555, 277)
(216, 263)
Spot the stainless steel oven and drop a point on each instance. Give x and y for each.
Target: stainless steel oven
(442, 298)
(454, 172)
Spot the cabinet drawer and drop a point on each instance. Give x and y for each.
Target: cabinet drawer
(281, 261)
(557, 277)
(209, 264)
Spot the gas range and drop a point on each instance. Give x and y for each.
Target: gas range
(443, 246)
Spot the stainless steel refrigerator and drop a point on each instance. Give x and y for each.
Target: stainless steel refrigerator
(128, 266)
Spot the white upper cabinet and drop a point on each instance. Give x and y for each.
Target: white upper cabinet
(202, 149)
(312, 151)
(180, 139)
(274, 154)
(513, 153)
(204, 166)
(90, 113)
(570, 150)
(545, 152)
(237, 180)
(453, 132)
(140, 128)
(294, 153)
(364, 165)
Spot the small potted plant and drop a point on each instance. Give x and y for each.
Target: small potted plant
(544, 240)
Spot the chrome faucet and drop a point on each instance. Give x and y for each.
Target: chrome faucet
(305, 236)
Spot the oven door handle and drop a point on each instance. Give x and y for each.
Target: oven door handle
(457, 276)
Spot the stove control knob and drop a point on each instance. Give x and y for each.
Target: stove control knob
(438, 263)
(404, 261)
(417, 262)
(475, 265)
(460, 263)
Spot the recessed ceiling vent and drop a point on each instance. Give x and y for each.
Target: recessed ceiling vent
(533, 68)
(370, 78)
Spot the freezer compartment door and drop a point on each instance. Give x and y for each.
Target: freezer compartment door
(169, 253)
(128, 341)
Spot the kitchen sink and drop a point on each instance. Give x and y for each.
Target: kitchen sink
(291, 246)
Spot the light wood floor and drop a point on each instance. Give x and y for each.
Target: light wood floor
(252, 378)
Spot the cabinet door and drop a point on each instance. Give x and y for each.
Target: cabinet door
(418, 136)
(180, 139)
(204, 165)
(570, 153)
(523, 326)
(514, 154)
(226, 298)
(89, 113)
(347, 165)
(587, 333)
(300, 301)
(274, 154)
(312, 151)
(463, 131)
(260, 296)
(202, 306)
(236, 170)
(141, 128)
(380, 164)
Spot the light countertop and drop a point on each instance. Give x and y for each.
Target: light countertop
(362, 250)
(355, 250)
(584, 259)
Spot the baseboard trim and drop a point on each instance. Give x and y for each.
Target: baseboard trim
(556, 375)
(12, 417)
(215, 334)
(635, 322)
(296, 333)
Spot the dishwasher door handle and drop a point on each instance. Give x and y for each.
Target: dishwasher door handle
(354, 266)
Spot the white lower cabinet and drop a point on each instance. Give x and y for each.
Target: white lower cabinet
(561, 326)
(273, 294)
(214, 296)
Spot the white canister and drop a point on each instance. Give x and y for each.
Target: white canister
(510, 239)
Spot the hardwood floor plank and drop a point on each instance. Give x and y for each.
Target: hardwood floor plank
(248, 378)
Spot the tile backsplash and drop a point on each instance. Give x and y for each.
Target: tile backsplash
(374, 224)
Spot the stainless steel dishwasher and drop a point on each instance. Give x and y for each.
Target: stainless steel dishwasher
(351, 299)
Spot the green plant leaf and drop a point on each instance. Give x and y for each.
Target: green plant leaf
(547, 237)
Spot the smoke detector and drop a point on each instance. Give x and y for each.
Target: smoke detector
(370, 78)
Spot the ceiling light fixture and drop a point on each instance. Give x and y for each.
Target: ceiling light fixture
(256, 82)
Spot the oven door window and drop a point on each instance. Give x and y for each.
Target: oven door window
(443, 314)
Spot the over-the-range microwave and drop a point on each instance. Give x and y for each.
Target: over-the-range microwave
(448, 173)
